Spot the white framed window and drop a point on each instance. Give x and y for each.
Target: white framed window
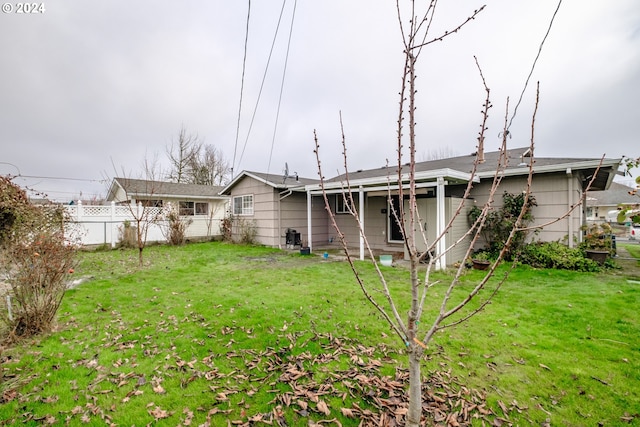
(243, 205)
(342, 201)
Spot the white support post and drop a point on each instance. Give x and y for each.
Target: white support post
(440, 223)
(569, 203)
(361, 212)
(309, 225)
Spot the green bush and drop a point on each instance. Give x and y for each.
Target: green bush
(556, 255)
(500, 221)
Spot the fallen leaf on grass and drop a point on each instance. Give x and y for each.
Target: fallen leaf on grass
(544, 367)
(159, 413)
(323, 407)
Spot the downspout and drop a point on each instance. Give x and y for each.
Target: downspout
(288, 193)
(361, 201)
(569, 204)
(440, 222)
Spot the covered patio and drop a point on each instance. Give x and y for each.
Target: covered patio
(372, 191)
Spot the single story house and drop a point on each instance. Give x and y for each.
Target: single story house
(600, 204)
(277, 205)
(202, 204)
(273, 205)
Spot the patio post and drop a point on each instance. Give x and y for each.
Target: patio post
(361, 202)
(440, 224)
(309, 235)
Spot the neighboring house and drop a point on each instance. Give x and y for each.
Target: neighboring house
(277, 205)
(601, 203)
(202, 204)
(274, 204)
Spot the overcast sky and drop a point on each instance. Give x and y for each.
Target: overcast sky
(89, 89)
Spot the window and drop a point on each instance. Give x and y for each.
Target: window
(193, 208)
(342, 206)
(202, 208)
(186, 208)
(243, 205)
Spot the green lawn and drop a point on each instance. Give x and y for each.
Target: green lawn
(216, 333)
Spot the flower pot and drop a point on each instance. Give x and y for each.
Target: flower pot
(305, 251)
(480, 264)
(386, 260)
(598, 256)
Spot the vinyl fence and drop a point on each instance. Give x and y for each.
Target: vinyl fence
(103, 225)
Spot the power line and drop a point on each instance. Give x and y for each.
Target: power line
(264, 77)
(284, 72)
(244, 64)
(526, 83)
(102, 181)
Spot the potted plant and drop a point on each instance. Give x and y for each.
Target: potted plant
(480, 260)
(597, 242)
(305, 249)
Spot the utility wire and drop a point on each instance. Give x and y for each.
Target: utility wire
(284, 72)
(515, 110)
(61, 178)
(244, 65)
(264, 77)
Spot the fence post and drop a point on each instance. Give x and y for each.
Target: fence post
(79, 212)
(112, 240)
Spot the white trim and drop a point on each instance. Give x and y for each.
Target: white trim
(559, 167)
(386, 181)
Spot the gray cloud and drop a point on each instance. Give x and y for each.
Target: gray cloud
(89, 85)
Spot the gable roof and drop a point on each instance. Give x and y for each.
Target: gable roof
(141, 188)
(272, 180)
(517, 164)
(616, 194)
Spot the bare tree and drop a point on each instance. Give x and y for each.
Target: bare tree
(181, 156)
(209, 166)
(417, 328)
(145, 211)
(194, 162)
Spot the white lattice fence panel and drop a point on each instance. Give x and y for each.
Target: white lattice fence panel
(96, 210)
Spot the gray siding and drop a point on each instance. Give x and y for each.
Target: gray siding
(264, 210)
(554, 196)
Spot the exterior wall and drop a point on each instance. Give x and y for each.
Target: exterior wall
(428, 211)
(264, 217)
(120, 196)
(321, 229)
(600, 214)
(554, 193)
(202, 227)
(292, 215)
(459, 227)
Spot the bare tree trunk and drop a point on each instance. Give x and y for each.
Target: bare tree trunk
(415, 387)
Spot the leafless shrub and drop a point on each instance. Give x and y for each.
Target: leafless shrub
(36, 259)
(175, 227)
